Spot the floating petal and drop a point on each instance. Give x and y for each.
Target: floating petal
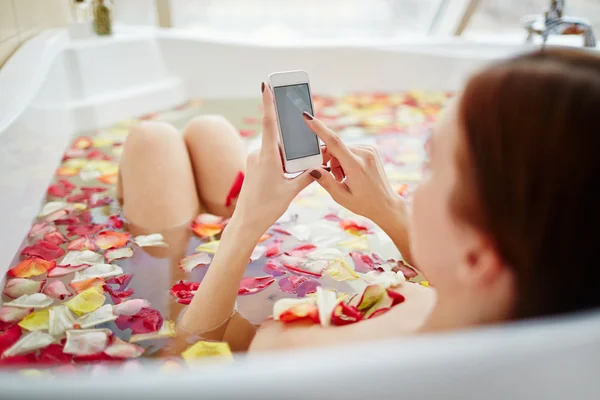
(302, 250)
(63, 271)
(167, 330)
(343, 314)
(87, 301)
(111, 240)
(203, 349)
(274, 248)
(252, 285)
(235, 189)
(210, 247)
(98, 271)
(301, 270)
(307, 287)
(326, 302)
(407, 271)
(13, 314)
(300, 232)
(54, 355)
(274, 268)
(208, 219)
(29, 343)
(330, 254)
(194, 261)
(207, 230)
(60, 320)
(82, 243)
(100, 316)
(287, 218)
(145, 321)
(86, 342)
(36, 300)
(131, 307)
(51, 207)
(373, 300)
(360, 243)
(118, 295)
(19, 286)
(82, 142)
(121, 349)
(153, 240)
(386, 279)
(57, 290)
(36, 321)
(291, 284)
(9, 337)
(118, 254)
(44, 250)
(258, 252)
(291, 310)
(341, 271)
(83, 230)
(56, 238)
(362, 262)
(40, 229)
(184, 291)
(353, 227)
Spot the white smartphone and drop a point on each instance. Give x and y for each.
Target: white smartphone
(299, 145)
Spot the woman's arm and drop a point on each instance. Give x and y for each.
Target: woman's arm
(266, 194)
(394, 220)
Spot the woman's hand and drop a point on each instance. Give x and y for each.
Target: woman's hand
(266, 193)
(357, 180)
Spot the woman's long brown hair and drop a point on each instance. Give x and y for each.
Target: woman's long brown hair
(531, 167)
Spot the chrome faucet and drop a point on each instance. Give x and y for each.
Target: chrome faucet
(555, 23)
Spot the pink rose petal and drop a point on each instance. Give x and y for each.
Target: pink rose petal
(307, 287)
(301, 250)
(57, 290)
(131, 307)
(17, 287)
(252, 285)
(118, 254)
(274, 268)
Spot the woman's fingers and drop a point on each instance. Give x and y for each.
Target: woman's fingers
(337, 190)
(335, 146)
(270, 137)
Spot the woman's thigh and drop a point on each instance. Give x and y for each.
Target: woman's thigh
(156, 180)
(218, 155)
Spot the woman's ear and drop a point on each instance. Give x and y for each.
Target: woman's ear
(481, 264)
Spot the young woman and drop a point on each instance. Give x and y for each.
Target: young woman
(507, 207)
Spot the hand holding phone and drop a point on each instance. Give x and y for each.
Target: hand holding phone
(299, 145)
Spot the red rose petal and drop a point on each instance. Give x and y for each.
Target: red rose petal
(274, 269)
(82, 243)
(301, 250)
(31, 267)
(78, 198)
(251, 285)
(407, 271)
(40, 229)
(117, 295)
(116, 221)
(55, 238)
(121, 280)
(99, 203)
(362, 262)
(397, 298)
(274, 248)
(9, 337)
(184, 291)
(58, 290)
(42, 249)
(83, 230)
(72, 220)
(56, 215)
(98, 155)
(146, 321)
(235, 190)
(53, 355)
(353, 226)
(301, 312)
(281, 231)
(344, 314)
(290, 284)
(300, 270)
(16, 361)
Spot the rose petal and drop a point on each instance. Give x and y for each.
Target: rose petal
(235, 189)
(109, 179)
(326, 302)
(80, 286)
(360, 243)
(300, 232)
(86, 341)
(60, 320)
(307, 287)
(57, 290)
(63, 271)
(407, 271)
(42, 249)
(87, 301)
(118, 295)
(83, 230)
(332, 217)
(353, 227)
(111, 239)
(252, 285)
(102, 315)
(258, 252)
(374, 299)
(131, 307)
(203, 349)
(291, 310)
(386, 279)
(40, 229)
(153, 240)
(208, 219)
(167, 330)
(274, 248)
(14, 314)
(36, 300)
(56, 238)
(29, 343)
(340, 271)
(300, 270)
(145, 321)
(82, 142)
(289, 260)
(118, 254)
(31, 267)
(362, 262)
(121, 280)
(19, 286)
(98, 271)
(51, 207)
(397, 298)
(78, 258)
(82, 243)
(265, 237)
(330, 254)
(36, 321)
(194, 261)
(344, 314)
(281, 231)
(287, 218)
(290, 284)
(121, 349)
(207, 230)
(274, 269)
(302, 250)
(210, 247)
(116, 221)
(78, 198)
(9, 337)
(53, 355)
(184, 291)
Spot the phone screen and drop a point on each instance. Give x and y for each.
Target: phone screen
(299, 141)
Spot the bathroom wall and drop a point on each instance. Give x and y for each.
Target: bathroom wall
(22, 19)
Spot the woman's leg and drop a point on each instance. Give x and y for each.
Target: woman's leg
(156, 178)
(218, 155)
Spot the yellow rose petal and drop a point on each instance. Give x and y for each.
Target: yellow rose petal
(204, 349)
(87, 301)
(341, 271)
(36, 321)
(424, 283)
(210, 247)
(360, 243)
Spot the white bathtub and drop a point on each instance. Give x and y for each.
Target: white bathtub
(54, 87)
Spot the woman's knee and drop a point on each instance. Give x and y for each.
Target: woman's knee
(152, 136)
(208, 127)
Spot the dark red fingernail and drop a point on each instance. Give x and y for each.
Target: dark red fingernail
(328, 169)
(307, 116)
(315, 174)
(262, 87)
